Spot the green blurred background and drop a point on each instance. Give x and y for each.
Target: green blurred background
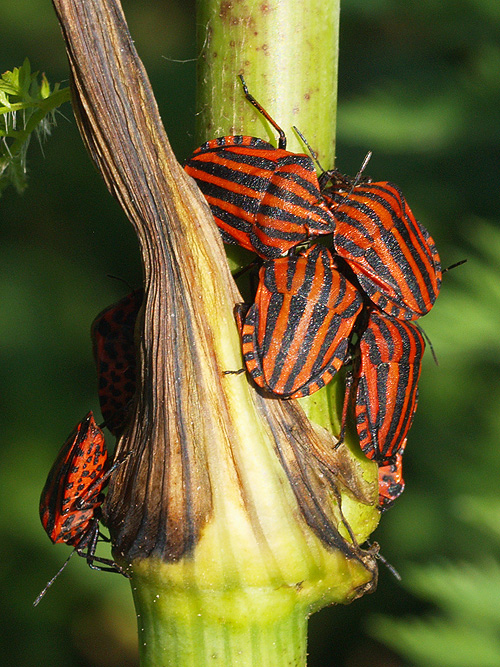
(420, 87)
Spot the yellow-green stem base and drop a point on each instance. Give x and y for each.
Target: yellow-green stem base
(254, 628)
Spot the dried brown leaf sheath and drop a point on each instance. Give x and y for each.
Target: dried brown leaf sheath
(210, 457)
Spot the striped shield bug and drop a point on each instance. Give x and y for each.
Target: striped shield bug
(114, 354)
(72, 496)
(390, 480)
(391, 254)
(264, 199)
(296, 335)
(386, 378)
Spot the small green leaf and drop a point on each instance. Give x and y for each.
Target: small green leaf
(25, 78)
(45, 87)
(20, 90)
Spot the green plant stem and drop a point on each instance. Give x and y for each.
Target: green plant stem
(287, 50)
(196, 628)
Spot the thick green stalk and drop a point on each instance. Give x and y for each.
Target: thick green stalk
(189, 627)
(287, 50)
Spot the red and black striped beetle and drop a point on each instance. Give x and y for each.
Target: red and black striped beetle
(264, 199)
(390, 480)
(72, 492)
(115, 357)
(72, 496)
(296, 334)
(385, 379)
(392, 255)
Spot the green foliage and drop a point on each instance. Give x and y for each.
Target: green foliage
(483, 512)
(27, 105)
(441, 643)
(466, 628)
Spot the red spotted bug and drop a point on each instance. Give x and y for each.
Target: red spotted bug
(296, 335)
(386, 377)
(391, 254)
(264, 199)
(114, 354)
(390, 480)
(72, 496)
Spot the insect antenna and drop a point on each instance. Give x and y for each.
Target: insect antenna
(434, 355)
(314, 155)
(122, 280)
(259, 107)
(454, 266)
(349, 385)
(383, 560)
(49, 584)
(390, 567)
(364, 164)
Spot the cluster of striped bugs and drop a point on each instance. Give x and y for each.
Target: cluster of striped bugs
(345, 270)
